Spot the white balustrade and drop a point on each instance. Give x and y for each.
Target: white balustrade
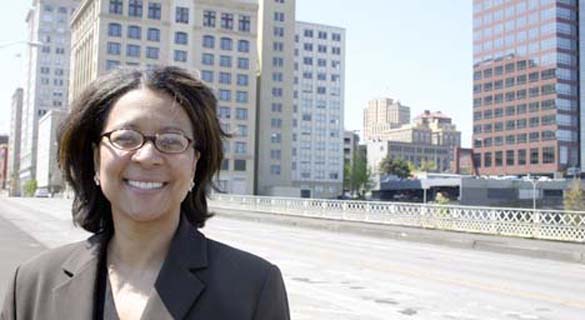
(526, 223)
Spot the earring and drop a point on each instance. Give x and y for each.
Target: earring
(96, 179)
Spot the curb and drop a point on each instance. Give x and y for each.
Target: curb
(540, 249)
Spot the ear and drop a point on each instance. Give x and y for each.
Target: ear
(96, 156)
(195, 160)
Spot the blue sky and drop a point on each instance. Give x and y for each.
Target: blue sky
(417, 51)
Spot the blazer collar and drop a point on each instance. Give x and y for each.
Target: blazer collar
(178, 285)
(80, 271)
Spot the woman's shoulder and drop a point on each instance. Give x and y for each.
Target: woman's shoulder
(230, 257)
(51, 261)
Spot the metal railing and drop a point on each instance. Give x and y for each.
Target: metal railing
(525, 223)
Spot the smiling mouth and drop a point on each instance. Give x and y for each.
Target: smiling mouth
(145, 185)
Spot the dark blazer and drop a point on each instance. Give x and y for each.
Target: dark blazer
(200, 279)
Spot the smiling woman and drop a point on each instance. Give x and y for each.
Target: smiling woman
(139, 149)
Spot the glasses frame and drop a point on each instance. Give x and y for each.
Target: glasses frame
(146, 138)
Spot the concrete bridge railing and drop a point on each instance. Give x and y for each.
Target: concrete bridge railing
(525, 223)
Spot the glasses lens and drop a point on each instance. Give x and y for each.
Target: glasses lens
(126, 139)
(171, 142)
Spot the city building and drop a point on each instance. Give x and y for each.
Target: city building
(46, 73)
(49, 178)
(463, 162)
(215, 39)
(3, 162)
(351, 141)
(431, 138)
(383, 114)
(14, 141)
(317, 133)
(525, 88)
(275, 99)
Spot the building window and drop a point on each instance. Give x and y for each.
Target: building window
(275, 169)
(133, 50)
(135, 8)
(208, 42)
(227, 21)
(521, 157)
(239, 165)
(181, 38)
(225, 61)
(534, 156)
(114, 30)
(207, 59)
(242, 130)
(243, 63)
(278, 32)
(241, 148)
(134, 32)
(180, 55)
(153, 34)
(225, 95)
(279, 16)
(510, 157)
(244, 24)
(548, 155)
(308, 33)
(225, 78)
(487, 159)
(114, 48)
(207, 76)
(152, 52)
(241, 114)
(336, 37)
(154, 10)
(242, 97)
(182, 15)
(116, 6)
(226, 43)
(112, 64)
(322, 35)
(243, 46)
(242, 80)
(209, 19)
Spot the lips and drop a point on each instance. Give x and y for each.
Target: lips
(145, 185)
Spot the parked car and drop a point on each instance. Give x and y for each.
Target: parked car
(42, 193)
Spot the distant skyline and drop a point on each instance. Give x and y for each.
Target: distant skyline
(416, 51)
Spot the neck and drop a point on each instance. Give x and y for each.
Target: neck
(141, 244)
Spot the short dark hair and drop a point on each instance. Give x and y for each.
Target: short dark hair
(83, 126)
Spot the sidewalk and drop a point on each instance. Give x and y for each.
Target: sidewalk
(543, 249)
(16, 247)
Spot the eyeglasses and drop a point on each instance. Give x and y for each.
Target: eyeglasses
(128, 140)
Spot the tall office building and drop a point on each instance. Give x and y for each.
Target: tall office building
(47, 72)
(317, 134)
(383, 114)
(275, 98)
(215, 39)
(526, 91)
(14, 140)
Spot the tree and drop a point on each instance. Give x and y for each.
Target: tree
(575, 197)
(427, 166)
(30, 186)
(357, 178)
(397, 167)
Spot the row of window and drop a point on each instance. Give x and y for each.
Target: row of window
(239, 165)
(520, 7)
(57, 71)
(321, 76)
(225, 95)
(310, 33)
(509, 35)
(515, 157)
(321, 48)
(510, 96)
(135, 9)
(226, 113)
(552, 119)
(515, 139)
(226, 78)
(511, 12)
(320, 62)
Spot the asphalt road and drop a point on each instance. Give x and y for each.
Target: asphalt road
(333, 275)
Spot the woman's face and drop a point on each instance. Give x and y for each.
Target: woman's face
(145, 185)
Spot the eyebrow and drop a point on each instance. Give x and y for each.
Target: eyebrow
(127, 125)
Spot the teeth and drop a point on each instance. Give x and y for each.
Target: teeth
(145, 185)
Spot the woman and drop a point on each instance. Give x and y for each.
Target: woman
(140, 149)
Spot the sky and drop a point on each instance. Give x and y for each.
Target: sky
(416, 51)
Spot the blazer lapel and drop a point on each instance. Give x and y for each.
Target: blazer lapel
(177, 285)
(74, 297)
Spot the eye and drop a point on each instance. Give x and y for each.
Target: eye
(172, 142)
(126, 139)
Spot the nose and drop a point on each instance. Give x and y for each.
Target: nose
(147, 155)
